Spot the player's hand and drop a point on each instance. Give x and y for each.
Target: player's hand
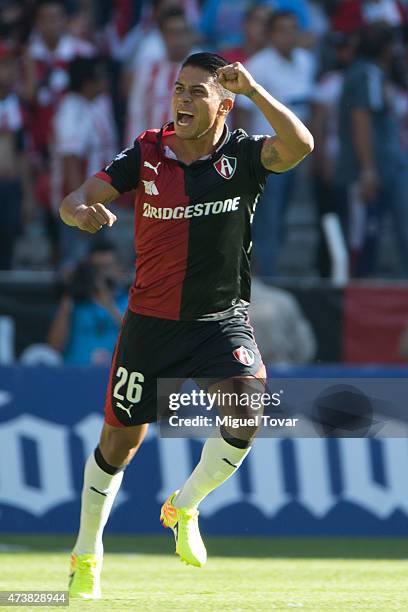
(236, 78)
(92, 218)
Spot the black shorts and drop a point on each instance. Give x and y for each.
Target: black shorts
(149, 348)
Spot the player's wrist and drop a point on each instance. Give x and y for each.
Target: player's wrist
(253, 90)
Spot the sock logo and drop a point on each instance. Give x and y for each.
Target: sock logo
(244, 355)
(229, 462)
(96, 491)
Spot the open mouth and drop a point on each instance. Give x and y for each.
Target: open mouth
(184, 118)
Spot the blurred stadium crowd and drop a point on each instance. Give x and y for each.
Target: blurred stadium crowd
(80, 79)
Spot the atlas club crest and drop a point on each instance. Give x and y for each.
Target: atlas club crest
(244, 355)
(226, 166)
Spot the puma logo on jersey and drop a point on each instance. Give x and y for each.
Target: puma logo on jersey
(127, 410)
(154, 168)
(226, 166)
(150, 188)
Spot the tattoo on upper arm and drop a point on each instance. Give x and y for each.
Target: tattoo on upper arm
(270, 154)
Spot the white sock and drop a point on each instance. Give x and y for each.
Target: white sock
(96, 507)
(219, 460)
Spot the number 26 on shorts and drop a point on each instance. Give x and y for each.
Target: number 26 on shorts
(134, 387)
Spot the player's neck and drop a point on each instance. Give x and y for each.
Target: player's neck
(189, 151)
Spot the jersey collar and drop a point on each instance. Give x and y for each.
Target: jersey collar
(168, 128)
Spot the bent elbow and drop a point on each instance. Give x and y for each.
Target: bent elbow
(311, 143)
(62, 210)
(307, 144)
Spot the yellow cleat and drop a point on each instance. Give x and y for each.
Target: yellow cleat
(184, 524)
(85, 576)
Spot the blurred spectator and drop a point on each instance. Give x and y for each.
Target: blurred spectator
(150, 95)
(287, 72)
(222, 20)
(49, 52)
(325, 129)
(402, 96)
(255, 32)
(319, 18)
(84, 142)
(351, 15)
(300, 8)
(145, 42)
(87, 321)
(255, 27)
(117, 22)
(14, 26)
(283, 334)
(81, 26)
(15, 180)
(371, 168)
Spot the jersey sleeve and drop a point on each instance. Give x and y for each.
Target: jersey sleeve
(124, 170)
(251, 152)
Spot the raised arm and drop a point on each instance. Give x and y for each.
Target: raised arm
(292, 142)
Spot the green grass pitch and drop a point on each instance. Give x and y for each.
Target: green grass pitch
(143, 574)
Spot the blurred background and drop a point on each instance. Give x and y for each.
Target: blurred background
(79, 80)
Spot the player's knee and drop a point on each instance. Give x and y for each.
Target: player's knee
(119, 446)
(241, 409)
(240, 437)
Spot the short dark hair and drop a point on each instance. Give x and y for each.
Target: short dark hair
(170, 13)
(210, 62)
(277, 15)
(82, 70)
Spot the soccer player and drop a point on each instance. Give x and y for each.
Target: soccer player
(196, 187)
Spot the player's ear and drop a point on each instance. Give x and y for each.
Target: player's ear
(226, 106)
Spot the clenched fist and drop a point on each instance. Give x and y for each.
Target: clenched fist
(92, 218)
(236, 79)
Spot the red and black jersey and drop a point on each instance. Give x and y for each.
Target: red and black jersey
(192, 224)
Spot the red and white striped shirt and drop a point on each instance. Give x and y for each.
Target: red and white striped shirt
(150, 97)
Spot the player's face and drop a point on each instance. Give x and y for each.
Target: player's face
(196, 103)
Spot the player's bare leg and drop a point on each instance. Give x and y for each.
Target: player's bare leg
(220, 458)
(102, 479)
